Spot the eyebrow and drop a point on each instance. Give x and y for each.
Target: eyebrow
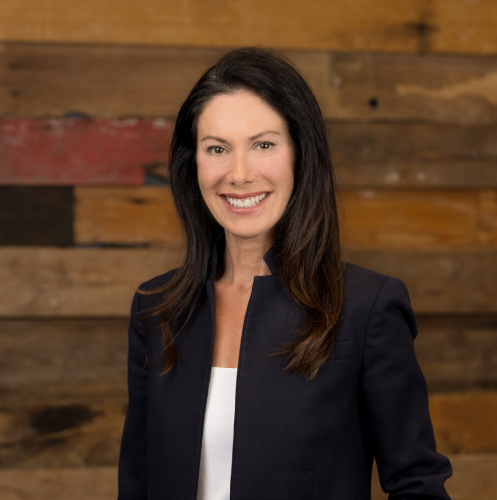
(256, 136)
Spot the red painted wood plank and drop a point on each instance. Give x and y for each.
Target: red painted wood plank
(80, 151)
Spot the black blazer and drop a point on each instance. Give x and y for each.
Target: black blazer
(293, 440)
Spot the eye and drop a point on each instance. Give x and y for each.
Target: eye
(216, 150)
(265, 145)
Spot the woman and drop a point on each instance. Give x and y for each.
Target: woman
(264, 367)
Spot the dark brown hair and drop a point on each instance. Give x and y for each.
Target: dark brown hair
(307, 235)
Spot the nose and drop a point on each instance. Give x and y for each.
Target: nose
(240, 171)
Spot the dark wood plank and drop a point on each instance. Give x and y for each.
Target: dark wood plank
(72, 360)
(123, 81)
(410, 155)
(36, 216)
(79, 151)
(458, 353)
(441, 281)
(412, 26)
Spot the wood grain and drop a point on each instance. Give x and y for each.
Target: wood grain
(77, 282)
(373, 218)
(36, 215)
(126, 216)
(457, 353)
(53, 282)
(83, 361)
(79, 151)
(462, 281)
(411, 155)
(412, 26)
(58, 434)
(40, 80)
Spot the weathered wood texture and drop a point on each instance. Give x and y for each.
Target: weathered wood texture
(411, 155)
(36, 216)
(126, 216)
(400, 155)
(119, 81)
(473, 478)
(50, 282)
(80, 151)
(411, 26)
(84, 360)
(457, 353)
(373, 218)
(70, 360)
(58, 434)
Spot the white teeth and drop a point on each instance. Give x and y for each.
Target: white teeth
(247, 202)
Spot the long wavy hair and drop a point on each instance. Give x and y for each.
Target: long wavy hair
(307, 240)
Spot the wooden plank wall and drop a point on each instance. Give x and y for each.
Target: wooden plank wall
(88, 98)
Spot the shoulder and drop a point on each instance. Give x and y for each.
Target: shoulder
(155, 284)
(369, 294)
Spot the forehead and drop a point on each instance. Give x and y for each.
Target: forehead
(240, 113)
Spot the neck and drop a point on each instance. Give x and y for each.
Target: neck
(244, 258)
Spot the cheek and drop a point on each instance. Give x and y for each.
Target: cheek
(282, 172)
(207, 174)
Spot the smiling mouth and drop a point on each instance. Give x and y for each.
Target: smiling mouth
(246, 202)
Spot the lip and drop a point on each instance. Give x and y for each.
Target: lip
(243, 210)
(244, 195)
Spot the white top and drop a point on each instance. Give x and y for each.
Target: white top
(217, 442)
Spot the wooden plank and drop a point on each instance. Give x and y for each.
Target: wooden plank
(59, 434)
(414, 155)
(82, 483)
(71, 360)
(373, 218)
(406, 87)
(462, 281)
(420, 219)
(412, 26)
(36, 216)
(79, 151)
(458, 353)
(126, 216)
(473, 478)
(123, 81)
(53, 282)
(77, 282)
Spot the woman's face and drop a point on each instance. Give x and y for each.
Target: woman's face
(245, 159)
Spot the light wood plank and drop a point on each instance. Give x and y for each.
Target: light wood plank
(412, 26)
(52, 282)
(126, 216)
(153, 82)
(372, 218)
(79, 151)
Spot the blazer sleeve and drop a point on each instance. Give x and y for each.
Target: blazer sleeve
(132, 472)
(396, 400)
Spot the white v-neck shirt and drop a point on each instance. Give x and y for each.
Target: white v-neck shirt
(217, 441)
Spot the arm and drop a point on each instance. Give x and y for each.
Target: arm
(132, 479)
(396, 399)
